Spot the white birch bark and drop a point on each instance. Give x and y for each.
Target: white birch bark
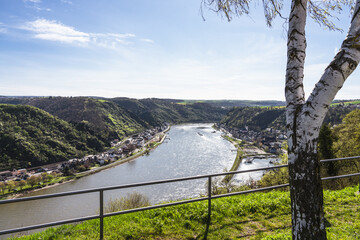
(304, 119)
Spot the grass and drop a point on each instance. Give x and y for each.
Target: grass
(253, 216)
(232, 140)
(235, 165)
(239, 156)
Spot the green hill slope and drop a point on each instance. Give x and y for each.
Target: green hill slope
(30, 137)
(260, 118)
(155, 111)
(104, 117)
(117, 117)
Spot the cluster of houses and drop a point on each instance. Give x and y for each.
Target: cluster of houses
(270, 138)
(23, 174)
(120, 149)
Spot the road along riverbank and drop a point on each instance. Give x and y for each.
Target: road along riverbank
(244, 151)
(145, 150)
(148, 146)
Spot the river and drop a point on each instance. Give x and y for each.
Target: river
(188, 150)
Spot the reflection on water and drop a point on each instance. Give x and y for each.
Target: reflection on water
(189, 150)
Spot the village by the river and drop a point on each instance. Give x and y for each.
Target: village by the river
(187, 150)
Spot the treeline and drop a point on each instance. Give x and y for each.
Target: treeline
(155, 111)
(31, 137)
(71, 127)
(341, 141)
(118, 117)
(255, 118)
(260, 118)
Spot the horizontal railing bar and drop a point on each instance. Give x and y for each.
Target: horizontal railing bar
(188, 178)
(341, 176)
(158, 206)
(338, 159)
(155, 206)
(33, 227)
(250, 191)
(154, 182)
(63, 194)
(53, 195)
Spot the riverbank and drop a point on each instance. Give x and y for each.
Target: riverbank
(62, 180)
(144, 150)
(243, 151)
(238, 158)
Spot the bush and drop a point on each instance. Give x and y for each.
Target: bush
(133, 200)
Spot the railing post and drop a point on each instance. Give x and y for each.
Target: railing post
(101, 214)
(209, 200)
(209, 209)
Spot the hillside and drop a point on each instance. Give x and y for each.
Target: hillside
(237, 103)
(260, 118)
(102, 116)
(156, 111)
(82, 125)
(254, 117)
(31, 137)
(117, 117)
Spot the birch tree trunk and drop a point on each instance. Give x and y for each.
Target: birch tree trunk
(304, 119)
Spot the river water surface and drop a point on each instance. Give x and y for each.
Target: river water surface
(188, 150)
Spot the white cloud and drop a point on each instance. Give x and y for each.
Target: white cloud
(111, 40)
(55, 31)
(36, 5)
(147, 40)
(65, 1)
(2, 29)
(33, 1)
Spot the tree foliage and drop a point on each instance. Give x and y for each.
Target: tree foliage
(322, 12)
(260, 118)
(348, 136)
(30, 135)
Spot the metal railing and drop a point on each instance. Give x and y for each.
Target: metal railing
(101, 191)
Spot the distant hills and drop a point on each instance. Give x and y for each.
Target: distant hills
(40, 130)
(260, 118)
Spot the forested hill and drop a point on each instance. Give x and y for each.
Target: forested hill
(104, 117)
(83, 125)
(118, 117)
(31, 137)
(156, 111)
(257, 119)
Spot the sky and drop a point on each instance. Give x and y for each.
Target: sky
(157, 48)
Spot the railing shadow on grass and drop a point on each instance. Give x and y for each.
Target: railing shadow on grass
(208, 198)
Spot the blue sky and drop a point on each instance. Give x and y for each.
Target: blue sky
(157, 48)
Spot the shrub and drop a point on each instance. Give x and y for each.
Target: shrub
(133, 200)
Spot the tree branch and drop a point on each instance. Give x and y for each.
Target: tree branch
(343, 64)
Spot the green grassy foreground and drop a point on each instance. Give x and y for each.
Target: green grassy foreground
(253, 216)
